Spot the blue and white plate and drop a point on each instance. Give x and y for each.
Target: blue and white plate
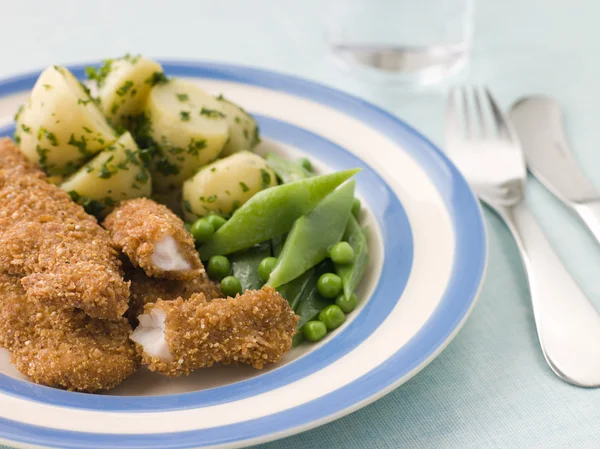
(428, 249)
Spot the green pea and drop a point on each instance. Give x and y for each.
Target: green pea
(342, 253)
(329, 285)
(332, 317)
(347, 304)
(218, 267)
(305, 163)
(356, 207)
(266, 266)
(202, 230)
(314, 330)
(231, 286)
(216, 220)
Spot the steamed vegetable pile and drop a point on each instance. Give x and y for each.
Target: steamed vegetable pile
(132, 132)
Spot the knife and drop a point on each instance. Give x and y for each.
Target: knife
(538, 123)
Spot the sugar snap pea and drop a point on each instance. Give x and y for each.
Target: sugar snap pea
(286, 170)
(271, 212)
(313, 234)
(351, 274)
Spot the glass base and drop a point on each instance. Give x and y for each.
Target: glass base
(403, 65)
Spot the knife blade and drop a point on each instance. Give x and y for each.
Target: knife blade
(538, 123)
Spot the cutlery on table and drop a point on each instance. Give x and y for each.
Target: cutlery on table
(539, 126)
(489, 155)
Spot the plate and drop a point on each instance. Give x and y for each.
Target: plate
(428, 246)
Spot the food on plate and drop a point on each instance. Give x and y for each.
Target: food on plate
(154, 238)
(188, 129)
(225, 185)
(116, 174)
(147, 290)
(313, 234)
(286, 203)
(123, 84)
(61, 126)
(63, 347)
(177, 337)
(283, 245)
(243, 129)
(352, 273)
(60, 253)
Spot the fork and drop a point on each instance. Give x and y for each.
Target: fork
(482, 143)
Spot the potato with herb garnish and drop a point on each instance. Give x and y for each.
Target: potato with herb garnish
(117, 173)
(243, 130)
(60, 127)
(226, 184)
(123, 85)
(189, 129)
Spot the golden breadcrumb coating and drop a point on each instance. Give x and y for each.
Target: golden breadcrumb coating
(61, 253)
(254, 328)
(147, 290)
(137, 225)
(63, 348)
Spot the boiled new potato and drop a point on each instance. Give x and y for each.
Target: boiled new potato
(123, 85)
(61, 126)
(225, 185)
(243, 130)
(189, 128)
(116, 174)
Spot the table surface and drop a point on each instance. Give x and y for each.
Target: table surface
(491, 386)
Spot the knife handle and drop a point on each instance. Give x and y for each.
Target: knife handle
(568, 325)
(590, 214)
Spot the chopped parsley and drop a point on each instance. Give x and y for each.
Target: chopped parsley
(19, 111)
(105, 171)
(25, 128)
(43, 156)
(182, 97)
(196, 146)
(265, 178)
(244, 187)
(157, 78)
(211, 199)
(237, 120)
(165, 168)
(255, 136)
(131, 59)
(99, 75)
(142, 176)
(84, 102)
(246, 134)
(87, 130)
(74, 195)
(187, 206)
(81, 145)
(214, 169)
(114, 108)
(124, 88)
(185, 116)
(47, 86)
(50, 136)
(211, 113)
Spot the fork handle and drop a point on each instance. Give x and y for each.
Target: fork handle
(568, 325)
(590, 214)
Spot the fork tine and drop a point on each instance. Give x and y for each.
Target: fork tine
(466, 116)
(483, 125)
(453, 122)
(504, 128)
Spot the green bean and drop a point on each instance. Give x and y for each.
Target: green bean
(287, 171)
(245, 264)
(313, 234)
(352, 274)
(271, 212)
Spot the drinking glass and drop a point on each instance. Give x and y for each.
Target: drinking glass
(412, 41)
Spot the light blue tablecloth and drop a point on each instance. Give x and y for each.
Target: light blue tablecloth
(491, 386)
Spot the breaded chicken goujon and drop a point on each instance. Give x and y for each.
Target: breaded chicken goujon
(63, 348)
(147, 290)
(59, 252)
(154, 239)
(177, 337)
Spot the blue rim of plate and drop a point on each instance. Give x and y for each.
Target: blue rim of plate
(455, 306)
